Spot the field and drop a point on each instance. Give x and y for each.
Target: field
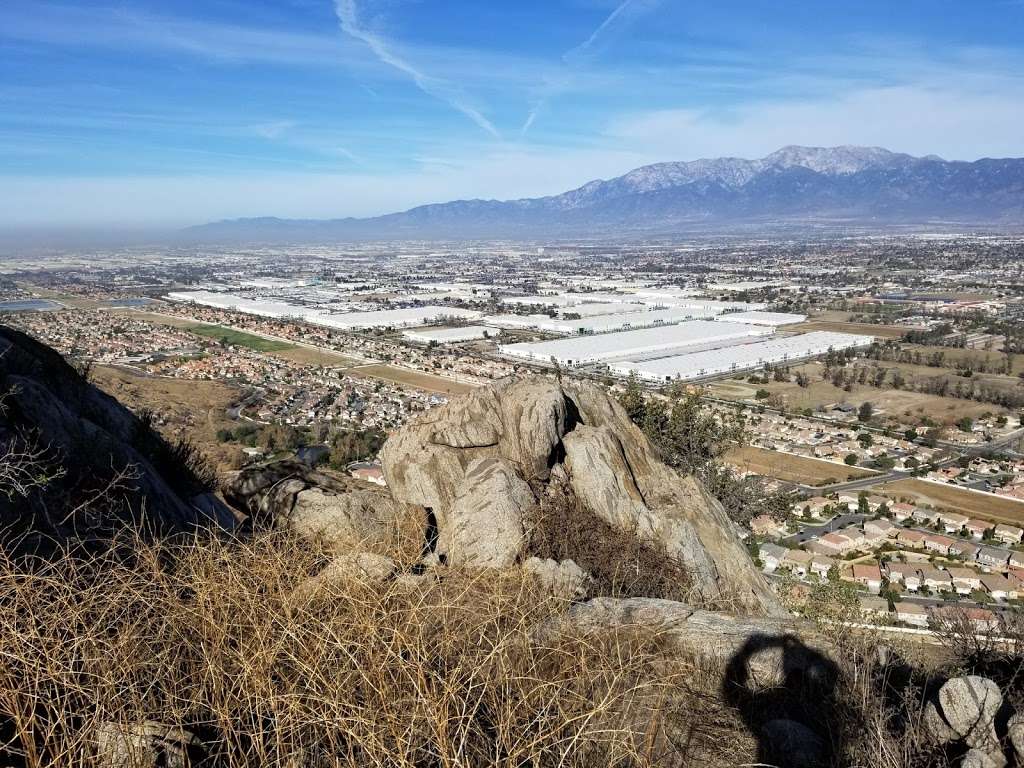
(157, 319)
(240, 339)
(793, 469)
(882, 331)
(306, 355)
(424, 381)
(985, 506)
(903, 406)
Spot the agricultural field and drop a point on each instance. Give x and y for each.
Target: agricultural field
(793, 469)
(425, 381)
(986, 506)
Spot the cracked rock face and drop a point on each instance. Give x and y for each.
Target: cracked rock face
(474, 473)
(522, 434)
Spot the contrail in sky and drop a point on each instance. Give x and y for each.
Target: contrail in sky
(348, 17)
(574, 54)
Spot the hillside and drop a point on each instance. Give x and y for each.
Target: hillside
(856, 187)
(533, 587)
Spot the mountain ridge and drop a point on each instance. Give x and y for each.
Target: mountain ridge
(858, 186)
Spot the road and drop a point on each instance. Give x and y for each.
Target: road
(813, 531)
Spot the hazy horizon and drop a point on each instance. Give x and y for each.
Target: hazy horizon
(148, 115)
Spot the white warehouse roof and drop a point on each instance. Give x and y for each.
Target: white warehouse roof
(647, 342)
(394, 318)
(762, 318)
(448, 335)
(625, 320)
(741, 357)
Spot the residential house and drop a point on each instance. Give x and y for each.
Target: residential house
(999, 587)
(936, 580)
(911, 538)
(905, 574)
(821, 565)
(925, 516)
(1016, 559)
(911, 613)
(1009, 534)
(869, 576)
(764, 525)
(874, 607)
(965, 580)
(964, 549)
(771, 556)
(993, 556)
(936, 542)
(902, 511)
(977, 528)
(882, 526)
(797, 561)
(952, 522)
(982, 619)
(834, 543)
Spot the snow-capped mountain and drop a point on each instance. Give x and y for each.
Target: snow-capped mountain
(849, 186)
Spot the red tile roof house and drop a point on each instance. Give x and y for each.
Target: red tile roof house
(935, 542)
(912, 539)
(977, 528)
(982, 619)
(834, 543)
(869, 576)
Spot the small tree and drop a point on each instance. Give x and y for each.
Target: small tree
(866, 411)
(851, 459)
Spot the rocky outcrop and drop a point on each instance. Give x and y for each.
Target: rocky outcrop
(146, 745)
(78, 466)
(524, 434)
(966, 710)
(340, 512)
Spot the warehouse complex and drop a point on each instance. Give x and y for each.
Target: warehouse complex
(775, 319)
(448, 335)
(385, 318)
(740, 357)
(636, 344)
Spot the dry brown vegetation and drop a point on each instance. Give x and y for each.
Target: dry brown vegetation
(211, 636)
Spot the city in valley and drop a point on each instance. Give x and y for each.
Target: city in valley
(876, 384)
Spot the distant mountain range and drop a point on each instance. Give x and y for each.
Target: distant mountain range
(813, 187)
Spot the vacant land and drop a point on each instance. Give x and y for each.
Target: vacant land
(307, 355)
(417, 379)
(157, 319)
(793, 469)
(983, 505)
(184, 408)
(905, 407)
(869, 329)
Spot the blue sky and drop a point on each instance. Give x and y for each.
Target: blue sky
(169, 112)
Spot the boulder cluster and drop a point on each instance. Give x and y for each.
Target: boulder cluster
(970, 711)
(474, 483)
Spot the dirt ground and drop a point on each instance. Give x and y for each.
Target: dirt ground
(186, 408)
(984, 506)
(424, 381)
(794, 469)
(882, 331)
(906, 407)
(316, 356)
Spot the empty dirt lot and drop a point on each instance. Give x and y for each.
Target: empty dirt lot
(793, 469)
(983, 505)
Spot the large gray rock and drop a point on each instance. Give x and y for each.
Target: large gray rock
(487, 523)
(145, 745)
(339, 512)
(564, 579)
(969, 705)
(1015, 733)
(578, 434)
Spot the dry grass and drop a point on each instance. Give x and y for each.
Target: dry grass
(795, 469)
(418, 672)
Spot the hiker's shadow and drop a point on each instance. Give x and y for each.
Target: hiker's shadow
(786, 694)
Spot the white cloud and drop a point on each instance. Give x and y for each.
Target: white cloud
(958, 120)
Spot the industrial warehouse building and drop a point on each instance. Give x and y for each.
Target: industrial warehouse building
(625, 320)
(741, 357)
(638, 344)
(448, 335)
(386, 318)
(762, 318)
